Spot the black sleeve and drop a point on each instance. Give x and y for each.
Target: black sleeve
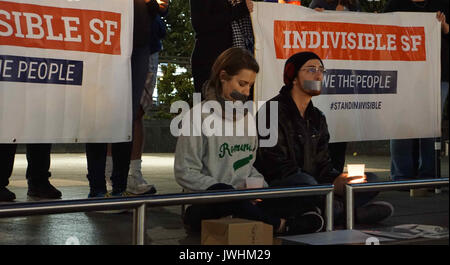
(152, 7)
(239, 11)
(315, 4)
(391, 6)
(210, 15)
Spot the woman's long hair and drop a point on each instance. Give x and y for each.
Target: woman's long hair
(231, 61)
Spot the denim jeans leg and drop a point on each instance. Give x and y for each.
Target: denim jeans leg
(427, 163)
(402, 159)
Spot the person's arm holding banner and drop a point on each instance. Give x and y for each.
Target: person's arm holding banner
(163, 5)
(317, 5)
(441, 18)
(249, 4)
(152, 5)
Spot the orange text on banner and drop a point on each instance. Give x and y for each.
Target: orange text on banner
(47, 27)
(349, 41)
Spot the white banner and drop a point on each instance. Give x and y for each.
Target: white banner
(383, 70)
(65, 74)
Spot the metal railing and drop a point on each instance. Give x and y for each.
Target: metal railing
(139, 203)
(383, 186)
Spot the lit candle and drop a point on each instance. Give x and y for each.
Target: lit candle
(356, 171)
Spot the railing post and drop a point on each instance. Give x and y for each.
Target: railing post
(329, 211)
(349, 206)
(139, 225)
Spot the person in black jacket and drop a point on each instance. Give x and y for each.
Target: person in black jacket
(337, 150)
(301, 156)
(212, 22)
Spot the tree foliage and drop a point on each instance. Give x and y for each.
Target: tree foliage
(180, 35)
(173, 87)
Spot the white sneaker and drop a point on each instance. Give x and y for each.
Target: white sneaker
(136, 184)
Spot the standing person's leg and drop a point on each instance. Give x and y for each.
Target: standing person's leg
(200, 74)
(121, 152)
(402, 159)
(108, 167)
(7, 155)
(38, 174)
(96, 158)
(427, 157)
(136, 184)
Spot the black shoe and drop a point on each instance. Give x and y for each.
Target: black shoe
(6, 195)
(190, 221)
(151, 191)
(373, 212)
(43, 189)
(309, 222)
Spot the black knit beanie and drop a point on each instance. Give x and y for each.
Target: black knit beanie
(294, 63)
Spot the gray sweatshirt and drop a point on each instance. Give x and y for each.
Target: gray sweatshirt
(202, 161)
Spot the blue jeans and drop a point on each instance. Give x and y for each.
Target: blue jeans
(413, 158)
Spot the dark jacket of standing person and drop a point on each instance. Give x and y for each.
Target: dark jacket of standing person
(144, 14)
(211, 20)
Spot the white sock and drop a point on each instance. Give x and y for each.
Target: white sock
(135, 165)
(108, 167)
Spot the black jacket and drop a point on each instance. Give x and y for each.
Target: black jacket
(211, 20)
(300, 156)
(144, 13)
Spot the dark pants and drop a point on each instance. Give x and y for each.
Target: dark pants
(38, 158)
(121, 152)
(413, 158)
(240, 209)
(200, 74)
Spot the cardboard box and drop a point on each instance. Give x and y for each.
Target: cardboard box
(236, 231)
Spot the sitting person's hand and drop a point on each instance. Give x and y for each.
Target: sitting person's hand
(343, 179)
